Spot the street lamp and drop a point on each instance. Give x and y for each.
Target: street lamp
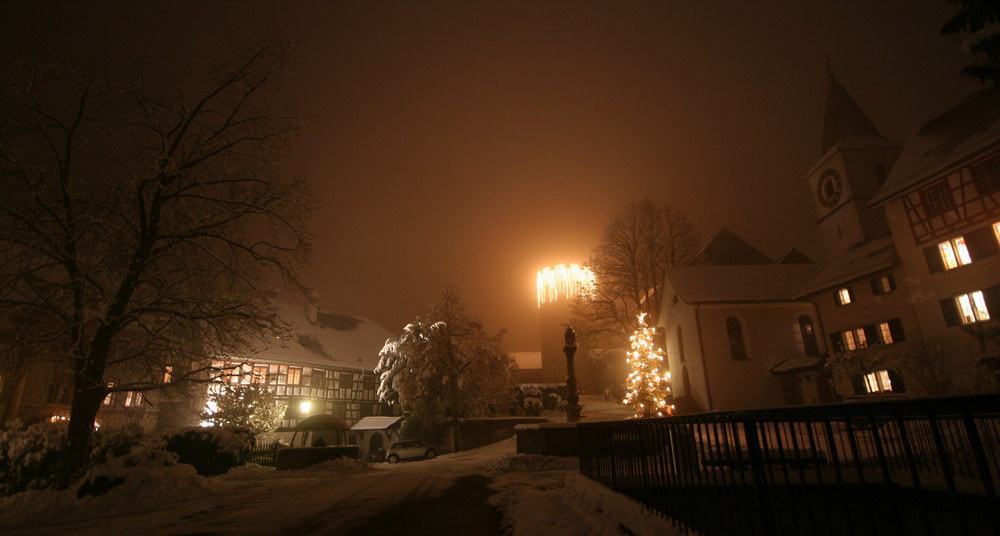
(573, 407)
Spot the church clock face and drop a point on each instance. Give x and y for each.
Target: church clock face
(828, 188)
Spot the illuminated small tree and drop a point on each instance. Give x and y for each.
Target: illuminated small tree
(648, 385)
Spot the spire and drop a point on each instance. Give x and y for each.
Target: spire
(844, 119)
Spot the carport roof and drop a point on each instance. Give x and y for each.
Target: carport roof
(376, 423)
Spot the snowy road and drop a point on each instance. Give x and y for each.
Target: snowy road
(389, 501)
(485, 491)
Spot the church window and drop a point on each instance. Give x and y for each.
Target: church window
(954, 253)
(880, 173)
(843, 296)
(937, 199)
(680, 344)
(737, 346)
(987, 176)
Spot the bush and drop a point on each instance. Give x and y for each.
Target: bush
(532, 406)
(212, 451)
(108, 444)
(29, 456)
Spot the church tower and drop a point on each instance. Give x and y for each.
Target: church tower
(855, 161)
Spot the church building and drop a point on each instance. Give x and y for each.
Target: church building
(905, 305)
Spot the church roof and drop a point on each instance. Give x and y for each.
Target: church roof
(966, 131)
(326, 340)
(845, 124)
(746, 283)
(793, 256)
(728, 249)
(859, 261)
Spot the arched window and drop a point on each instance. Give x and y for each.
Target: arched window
(737, 347)
(808, 335)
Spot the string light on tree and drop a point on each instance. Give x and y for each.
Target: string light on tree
(648, 385)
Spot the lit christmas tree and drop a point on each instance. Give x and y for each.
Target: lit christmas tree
(648, 384)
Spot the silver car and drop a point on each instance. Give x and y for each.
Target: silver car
(409, 449)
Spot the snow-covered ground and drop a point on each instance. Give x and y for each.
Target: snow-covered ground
(535, 495)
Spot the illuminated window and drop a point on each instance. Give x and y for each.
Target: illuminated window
(937, 199)
(885, 332)
(111, 395)
(996, 230)
(133, 398)
(168, 373)
(878, 382)
(294, 375)
(954, 253)
(259, 374)
(972, 307)
(844, 296)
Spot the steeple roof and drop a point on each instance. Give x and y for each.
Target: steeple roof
(845, 122)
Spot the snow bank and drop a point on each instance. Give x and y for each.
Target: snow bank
(563, 502)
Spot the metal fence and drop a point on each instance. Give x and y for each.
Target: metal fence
(262, 455)
(927, 466)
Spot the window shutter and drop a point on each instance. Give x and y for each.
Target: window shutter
(892, 281)
(952, 316)
(898, 386)
(896, 330)
(850, 292)
(981, 243)
(876, 287)
(992, 297)
(871, 334)
(858, 383)
(933, 256)
(836, 298)
(837, 342)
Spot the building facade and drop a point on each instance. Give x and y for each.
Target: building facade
(909, 301)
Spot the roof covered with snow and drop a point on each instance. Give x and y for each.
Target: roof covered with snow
(858, 261)
(966, 131)
(320, 338)
(764, 282)
(376, 423)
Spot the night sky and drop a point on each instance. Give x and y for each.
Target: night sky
(472, 143)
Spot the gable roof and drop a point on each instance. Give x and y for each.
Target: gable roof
(858, 261)
(746, 283)
(728, 249)
(965, 131)
(793, 256)
(331, 340)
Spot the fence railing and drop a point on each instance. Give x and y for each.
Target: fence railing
(262, 455)
(928, 466)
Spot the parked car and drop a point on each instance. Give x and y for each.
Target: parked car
(407, 450)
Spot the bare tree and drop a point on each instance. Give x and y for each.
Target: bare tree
(144, 230)
(630, 265)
